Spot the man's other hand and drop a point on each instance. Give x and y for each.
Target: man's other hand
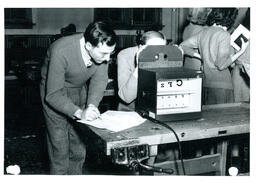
(90, 113)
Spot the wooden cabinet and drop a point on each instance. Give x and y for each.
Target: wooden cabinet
(130, 18)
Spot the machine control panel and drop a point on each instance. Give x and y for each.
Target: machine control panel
(126, 155)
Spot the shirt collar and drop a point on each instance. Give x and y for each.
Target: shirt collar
(85, 55)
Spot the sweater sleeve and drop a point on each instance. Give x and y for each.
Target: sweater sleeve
(127, 82)
(190, 45)
(98, 84)
(55, 94)
(223, 58)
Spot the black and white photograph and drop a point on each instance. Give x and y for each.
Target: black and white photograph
(159, 90)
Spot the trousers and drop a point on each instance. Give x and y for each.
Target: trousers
(66, 150)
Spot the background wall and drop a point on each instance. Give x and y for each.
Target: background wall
(51, 20)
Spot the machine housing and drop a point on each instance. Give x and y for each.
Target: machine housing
(166, 90)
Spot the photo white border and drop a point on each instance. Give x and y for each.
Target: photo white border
(130, 3)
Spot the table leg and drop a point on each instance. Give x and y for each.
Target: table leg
(222, 148)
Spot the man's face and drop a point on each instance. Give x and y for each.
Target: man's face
(101, 53)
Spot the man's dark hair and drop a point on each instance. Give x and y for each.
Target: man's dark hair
(100, 32)
(222, 16)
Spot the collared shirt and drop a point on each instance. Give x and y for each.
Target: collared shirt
(85, 56)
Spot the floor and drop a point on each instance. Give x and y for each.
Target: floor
(25, 144)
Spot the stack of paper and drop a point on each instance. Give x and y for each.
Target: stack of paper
(116, 120)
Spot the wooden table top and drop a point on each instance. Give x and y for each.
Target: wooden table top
(217, 121)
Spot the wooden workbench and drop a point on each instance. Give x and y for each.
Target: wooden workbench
(220, 120)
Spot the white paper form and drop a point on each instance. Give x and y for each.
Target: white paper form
(116, 120)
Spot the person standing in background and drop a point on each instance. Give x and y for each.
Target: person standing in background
(240, 71)
(74, 77)
(197, 22)
(215, 51)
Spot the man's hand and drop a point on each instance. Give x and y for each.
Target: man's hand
(90, 113)
(141, 48)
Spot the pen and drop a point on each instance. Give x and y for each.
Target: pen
(76, 118)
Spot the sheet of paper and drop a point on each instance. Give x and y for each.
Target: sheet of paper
(116, 120)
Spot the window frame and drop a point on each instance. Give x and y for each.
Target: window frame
(127, 20)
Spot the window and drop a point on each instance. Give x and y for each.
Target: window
(130, 18)
(18, 18)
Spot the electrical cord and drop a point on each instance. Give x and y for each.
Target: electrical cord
(136, 164)
(145, 115)
(156, 169)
